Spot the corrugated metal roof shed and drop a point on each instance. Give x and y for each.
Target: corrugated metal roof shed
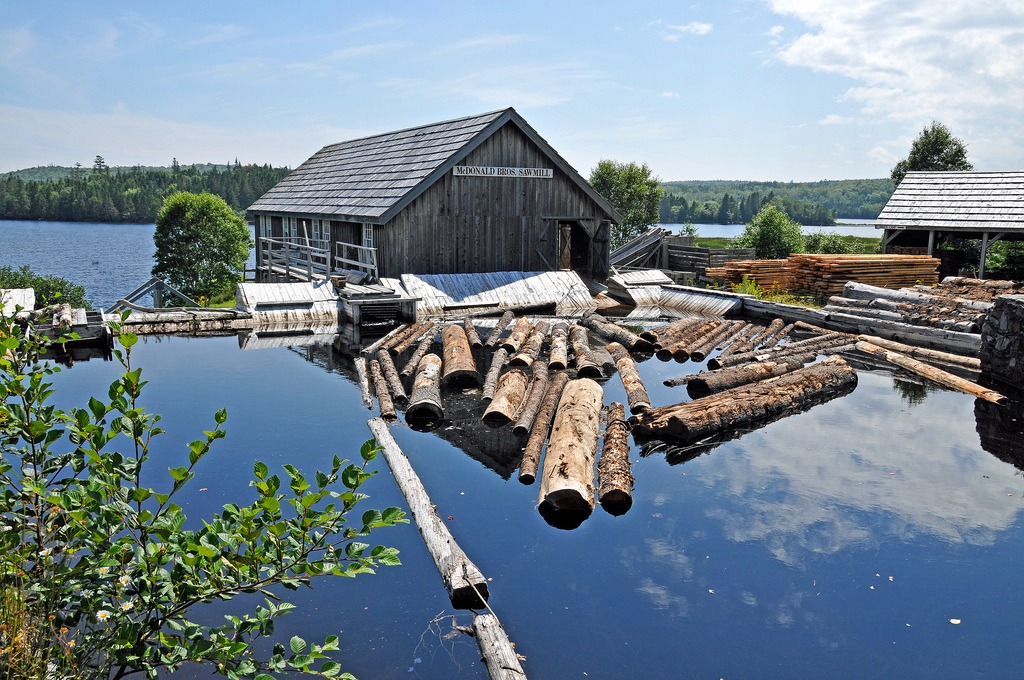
(564, 289)
(957, 201)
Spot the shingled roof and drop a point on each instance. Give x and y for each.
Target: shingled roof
(373, 178)
(957, 201)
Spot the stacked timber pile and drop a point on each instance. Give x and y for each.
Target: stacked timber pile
(766, 273)
(822, 276)
(921, 306)
(979, 290)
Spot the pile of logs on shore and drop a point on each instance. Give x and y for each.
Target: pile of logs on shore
(920, 306)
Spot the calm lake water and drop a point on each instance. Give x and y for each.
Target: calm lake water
(846, 227)
(837, 543)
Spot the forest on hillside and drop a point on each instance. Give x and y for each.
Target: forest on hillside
(810, 203)
(135, 194)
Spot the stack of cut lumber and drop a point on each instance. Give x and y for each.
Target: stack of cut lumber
(766, 273)
(823, 276)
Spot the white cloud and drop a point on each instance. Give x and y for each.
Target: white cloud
(673, 32)
(670, 95)
(222, 33)
(957, 61)
(485, 42)
(883, 155)
(835, 119)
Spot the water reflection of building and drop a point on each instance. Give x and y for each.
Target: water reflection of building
(1001, 430)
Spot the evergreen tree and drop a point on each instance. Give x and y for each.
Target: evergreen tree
(934, 149)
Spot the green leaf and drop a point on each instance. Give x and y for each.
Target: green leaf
(297, 644)
(330, 668)
(260, 469)
(127, 339)
(369, 449)
(221, 416)
(179, 474)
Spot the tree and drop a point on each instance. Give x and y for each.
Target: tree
(934, 149)
(201, 244)
(633, 192)
(49, 290)
(771, 234)
(102, 575)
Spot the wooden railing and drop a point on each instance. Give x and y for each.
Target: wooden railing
(299, 256)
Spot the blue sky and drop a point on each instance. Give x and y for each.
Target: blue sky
(741, 89)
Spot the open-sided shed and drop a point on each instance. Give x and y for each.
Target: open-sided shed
(929, 206)
(483, 193)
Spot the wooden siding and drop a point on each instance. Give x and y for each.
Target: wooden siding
(957, 201)
(483, 224)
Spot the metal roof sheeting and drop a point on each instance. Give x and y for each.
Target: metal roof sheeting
(564, 289)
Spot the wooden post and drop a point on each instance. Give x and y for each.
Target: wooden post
(425, 409)
(503, 322)
(538, 388)
(466, 585)
(615, 479)
(364, 382)
(387, 365)
(636, 392)
(937, 375)
(518, 335)
(747, 405)
(541, 427)
(459, 365)
(586, 365)
(508, 398)
(421, 349)
(559, 355)
(471, 334)
(499, 656)
(567, 482)
(380, 385)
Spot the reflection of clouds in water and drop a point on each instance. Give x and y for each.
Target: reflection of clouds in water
(860, 470)
(663, 598)
(748, 598)
(664, 552)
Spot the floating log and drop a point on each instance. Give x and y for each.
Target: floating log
(491, 380)
(725, 332)
(617, 333)
(466, 585)
(930, 355)
(817, 343)
(425, 342)
(518, 335)
(541, 427)
(400, 338)
(586, 365)
(506, 318)
(682, 380)
(778, 335)
(364, 382)
(371, 350)
(636, 392)
(471, 334)
(615, 479)
(380, 386)
(538, 388)
(567, 481)
(391, 375)
(498, 654)
(509, 395)
(530, 349)
(558, 359)
(742, 340)
(709, 382)
(667, 333)
(932, 373)
(604, 360)
(747, 405)
(678, 348)
(412, 336)
(63, 317)
(425, 408)
(459, 365)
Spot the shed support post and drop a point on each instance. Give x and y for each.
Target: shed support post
(931, 242)
(984, 253)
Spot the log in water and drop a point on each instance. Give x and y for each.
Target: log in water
(425, 410)
(615, 478)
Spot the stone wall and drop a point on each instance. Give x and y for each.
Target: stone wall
(1002, 342)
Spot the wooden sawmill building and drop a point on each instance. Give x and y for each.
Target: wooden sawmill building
(928, 207)
(484, 193)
